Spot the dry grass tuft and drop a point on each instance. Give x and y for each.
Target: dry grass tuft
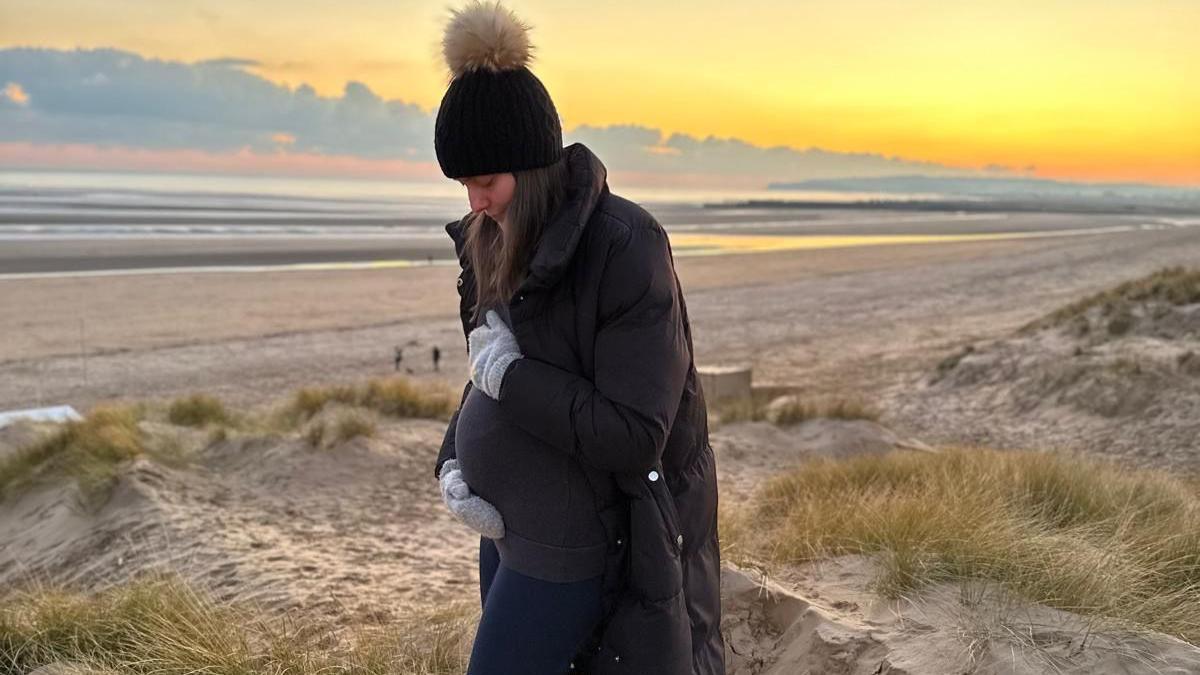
(352, 424)
(394, 397)
(198, 410)
(349, 424)
(90, 450)
(1170, 285)
(1065, 531)
(161, 624)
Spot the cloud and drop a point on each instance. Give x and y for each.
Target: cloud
(228, 63)
(115, 98)
(644, 150)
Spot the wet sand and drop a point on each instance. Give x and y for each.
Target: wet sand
(86, 246)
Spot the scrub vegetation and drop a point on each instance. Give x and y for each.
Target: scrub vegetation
(164, 625)
(1066, 531)
(90, 450)
(393, 397)
(1171, 286)
(198, 410)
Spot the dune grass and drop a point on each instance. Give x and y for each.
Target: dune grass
(162, 625)
(348, 425)
(1176, 285)
(198, 410)
(351, 425)
(1062, 530)
(90, 450)
(394, 397)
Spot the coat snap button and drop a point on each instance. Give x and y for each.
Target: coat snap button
(619, 541)
(653, 476)
(679, 540)
(617, 657)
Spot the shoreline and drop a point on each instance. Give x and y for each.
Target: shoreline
(1082, 207)
(85, 251)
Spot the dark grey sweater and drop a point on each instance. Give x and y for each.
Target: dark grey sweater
(551, 527)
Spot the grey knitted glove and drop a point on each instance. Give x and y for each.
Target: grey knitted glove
(491, 348)
(471, 509)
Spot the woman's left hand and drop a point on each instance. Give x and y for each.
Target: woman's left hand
(491, 348)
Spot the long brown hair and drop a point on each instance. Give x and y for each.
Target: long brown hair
(501, 264)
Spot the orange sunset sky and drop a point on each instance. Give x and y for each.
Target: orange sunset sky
(1100, 90)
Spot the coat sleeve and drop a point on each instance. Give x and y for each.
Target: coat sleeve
(620, 421)
(447, 452)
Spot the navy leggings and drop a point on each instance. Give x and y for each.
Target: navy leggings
(529, 625)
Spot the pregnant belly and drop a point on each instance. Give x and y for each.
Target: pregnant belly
(524, 478)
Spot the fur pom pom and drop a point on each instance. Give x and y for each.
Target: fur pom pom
(485, 35)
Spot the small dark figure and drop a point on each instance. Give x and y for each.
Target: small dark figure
(399, 357)
(437, 356)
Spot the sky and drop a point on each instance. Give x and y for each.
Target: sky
(1095, 90)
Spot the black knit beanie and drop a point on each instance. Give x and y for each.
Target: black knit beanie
(496, 116)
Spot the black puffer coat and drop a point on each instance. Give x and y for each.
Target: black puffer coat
(608, 377)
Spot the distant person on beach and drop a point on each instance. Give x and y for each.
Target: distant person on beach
(399, 356)
(583, 403)
(437, 356)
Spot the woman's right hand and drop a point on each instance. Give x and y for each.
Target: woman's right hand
(471, 509)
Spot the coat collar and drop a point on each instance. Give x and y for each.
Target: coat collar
(586, 185)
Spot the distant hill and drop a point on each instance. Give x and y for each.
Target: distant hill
(1009, 188)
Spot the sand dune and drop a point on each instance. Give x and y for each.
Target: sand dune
(354, 533)
(1119, 377)
(820, 618)
(359, 529)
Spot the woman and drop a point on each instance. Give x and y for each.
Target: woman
(580, 448)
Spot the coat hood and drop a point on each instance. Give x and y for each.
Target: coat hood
(587, 184)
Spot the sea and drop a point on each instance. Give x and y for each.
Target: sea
(96, 204)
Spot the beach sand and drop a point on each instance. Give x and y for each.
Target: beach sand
(830, 321)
